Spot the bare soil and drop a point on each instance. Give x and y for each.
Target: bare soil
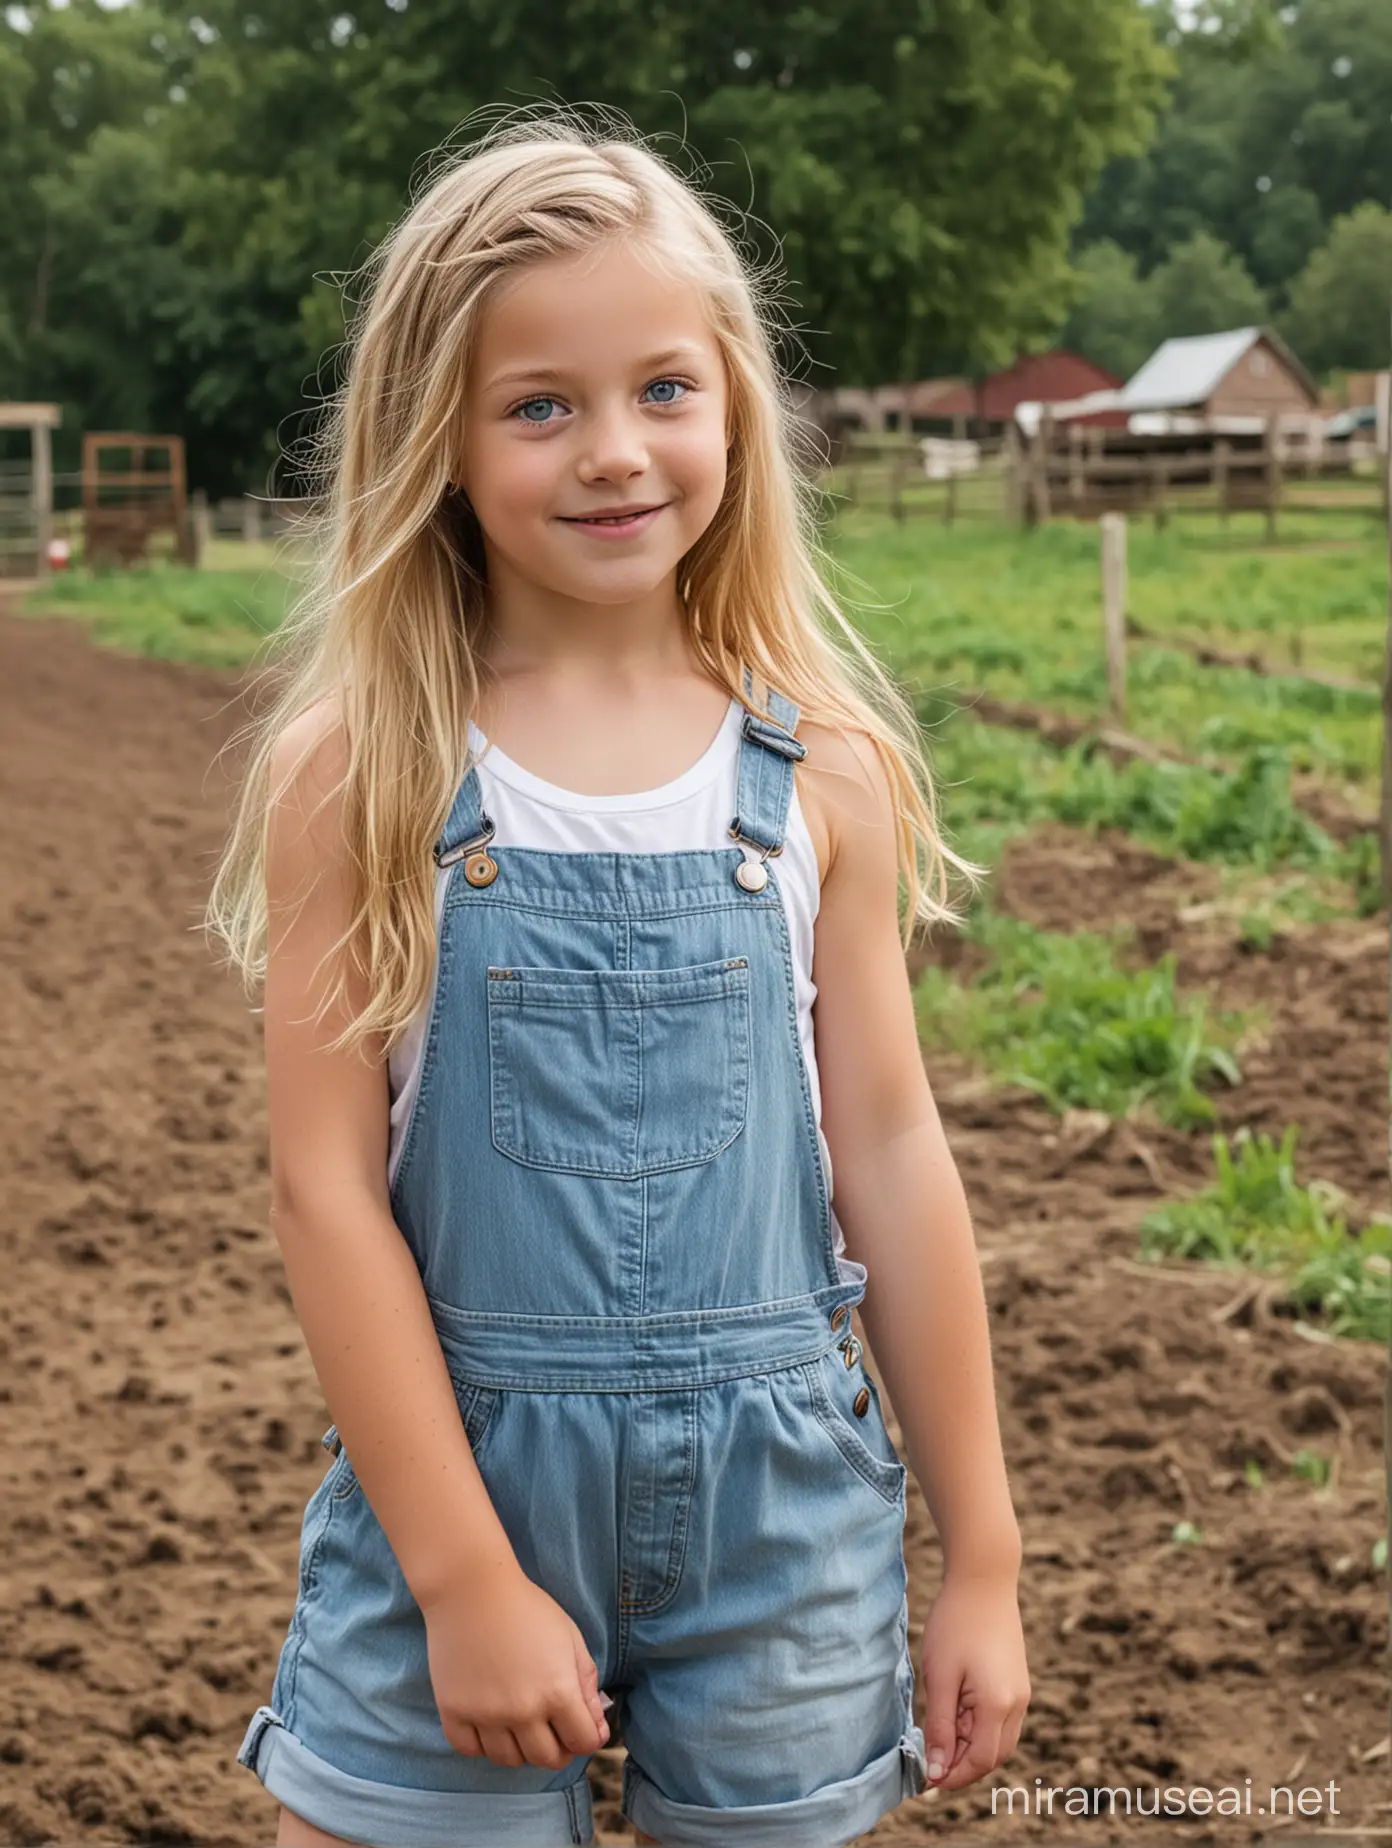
(164, 1416)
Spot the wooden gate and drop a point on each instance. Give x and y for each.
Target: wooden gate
(122, 508)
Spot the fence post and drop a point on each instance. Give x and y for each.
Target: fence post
(950, 504)
(1273, 478)
(42, 470)
(201, 519)
(1160, 469)
(1012, 474)
(898, 458)
(1076, 477)
(1113, 529)
(251, 520)
(1222, 449)
(1041, 442)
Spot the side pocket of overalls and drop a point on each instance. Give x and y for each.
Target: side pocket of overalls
(863, 1439)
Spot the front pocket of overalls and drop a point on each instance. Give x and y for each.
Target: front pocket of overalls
(618, 1072)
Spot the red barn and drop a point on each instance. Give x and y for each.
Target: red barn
(1050, 378)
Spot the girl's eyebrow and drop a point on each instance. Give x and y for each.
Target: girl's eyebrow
(552, 375)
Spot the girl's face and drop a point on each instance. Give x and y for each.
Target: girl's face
(596, 388)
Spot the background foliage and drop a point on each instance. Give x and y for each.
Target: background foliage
(949, 181)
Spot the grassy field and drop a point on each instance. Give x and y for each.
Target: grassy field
(983, 605)
(217, 616)
(980, 606)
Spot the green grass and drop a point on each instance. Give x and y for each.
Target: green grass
(217, 618)
(982, 603)
(996, 782)
(1257, 1213)
(1054, 1012)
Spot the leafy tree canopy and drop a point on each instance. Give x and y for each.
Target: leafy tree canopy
(1279, 129)
(181, 177)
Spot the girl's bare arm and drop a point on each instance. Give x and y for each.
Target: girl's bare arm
(898, 1195)
(356, 1289)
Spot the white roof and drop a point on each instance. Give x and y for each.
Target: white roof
(1186, 370)
(1030, 410)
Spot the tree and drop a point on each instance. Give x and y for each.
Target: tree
(70, 76)
(1204, 288)
(1280, 123)
(919, 168)
(1340, 302)
(1114, 321)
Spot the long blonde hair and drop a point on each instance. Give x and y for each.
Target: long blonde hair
(385, 636)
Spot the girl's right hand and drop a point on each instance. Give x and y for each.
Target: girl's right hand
(512, 1676)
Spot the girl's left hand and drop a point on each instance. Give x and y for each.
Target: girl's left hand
(975, 1681)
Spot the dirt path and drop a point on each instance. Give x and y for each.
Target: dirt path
(164, 1417)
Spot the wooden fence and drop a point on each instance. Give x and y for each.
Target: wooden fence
(915, 477)
(1083, 473)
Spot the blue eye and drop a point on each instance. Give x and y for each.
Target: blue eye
(523, 411)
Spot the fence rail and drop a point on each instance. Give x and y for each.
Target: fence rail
(1095, 472)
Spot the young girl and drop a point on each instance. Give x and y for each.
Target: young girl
(575, 751)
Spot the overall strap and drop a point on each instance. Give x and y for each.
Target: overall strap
(768, 752)
(466, 825)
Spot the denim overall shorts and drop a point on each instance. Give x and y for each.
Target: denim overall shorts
(613, 1189)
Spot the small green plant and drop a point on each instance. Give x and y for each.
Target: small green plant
(1379, 1553)
(1184, 1533)
(1255, 931)
(1360, 862)
(1310, 1466)
(1052, 1011)
(1258, 1213)
(1252, 1474)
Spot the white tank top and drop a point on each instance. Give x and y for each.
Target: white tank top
(691, 812)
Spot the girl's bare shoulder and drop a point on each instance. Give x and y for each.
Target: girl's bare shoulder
(306, 773)
(841, 785)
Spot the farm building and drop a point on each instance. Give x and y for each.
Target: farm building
(956, 406)
(1225, 412)
(984, 407)
(1232, 381)
(1249, 372)
(875, 408)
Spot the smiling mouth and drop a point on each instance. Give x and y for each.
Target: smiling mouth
(612, 519)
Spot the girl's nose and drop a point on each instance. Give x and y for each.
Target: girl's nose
(614, 448)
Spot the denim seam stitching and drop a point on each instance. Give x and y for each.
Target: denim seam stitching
(676, 1318)
(307, 1587)
(676, 1552)
(584, 1382)
(678, 906)
(785, 961)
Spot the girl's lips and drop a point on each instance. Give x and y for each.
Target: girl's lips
(617, 529)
